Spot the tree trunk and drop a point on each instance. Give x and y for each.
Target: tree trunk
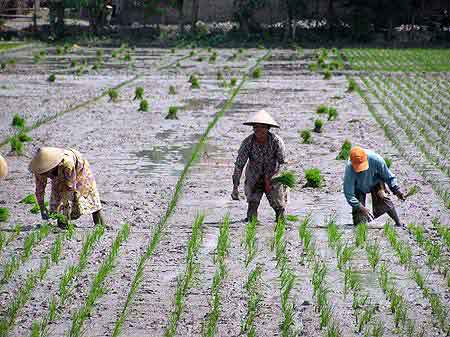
(331, 19)
(181, 19)
(288, 33)
(391, 25)
(194, 18)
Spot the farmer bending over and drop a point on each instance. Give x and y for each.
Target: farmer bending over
(74, 192)
(265, 153)
(3, 167)
(367, 172)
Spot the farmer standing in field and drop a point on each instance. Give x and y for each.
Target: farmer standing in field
(265, 153)
(367, 172)
(74, 191)
(3, 167)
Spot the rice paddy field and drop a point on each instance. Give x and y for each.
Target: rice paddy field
(161, 129)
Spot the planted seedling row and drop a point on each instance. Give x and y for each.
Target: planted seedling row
(5, 239)
(321, 290)
(41, 328)
(443, 231)
(159, 229)
(363, 306)
(289, 325)
(32, 280)
(97, 287)
(31, 241)
(404, 253)
(186, 279)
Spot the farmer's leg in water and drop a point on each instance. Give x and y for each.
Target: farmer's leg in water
(277, 198)
(254, 194)
(98, 218)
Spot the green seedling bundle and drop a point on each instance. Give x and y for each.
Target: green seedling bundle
(138, 93)
(113, 95)
(172, 113)
(287, 178)
(344, 154)
(313, 178)
(143, 106)
(306, 136)
(318, 124)
(172, 90)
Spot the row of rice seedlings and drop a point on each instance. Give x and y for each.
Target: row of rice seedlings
(404, 253)
(443, 231)
(30, 242)
(254, 300)
(160, 227)
(185, 281)
(363, 308)
(40, 328)
(392, 135)
(250, 242)
(209, 328)
(5, 240)
(320, 289)
(20, 136)
(33, 278)
(287, 278)
(435, 256)
(97, 289)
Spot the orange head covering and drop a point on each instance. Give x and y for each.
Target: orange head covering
(358, 157)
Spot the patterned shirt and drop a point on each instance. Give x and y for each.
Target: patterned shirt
(263, 159)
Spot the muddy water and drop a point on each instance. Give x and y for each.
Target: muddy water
(137, 156)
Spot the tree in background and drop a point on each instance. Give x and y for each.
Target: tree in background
(179, 6)
(293, 10)
(244, 11)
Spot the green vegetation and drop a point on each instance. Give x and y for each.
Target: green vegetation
(332, 114)
(18, 122)
(327, 74)
(412, 191)
(250, 241)
(113, 95)
(4, 214)
(318, 124)
(172, 113)
(172, 90)
(388, 162)
(361, 234)
(313, 178)
(344, 154)
(143, 106)
(233, 81)
(286, 178)
(139, 93)
(195, 82)
(51, 78)
(352, 86)
(306, 136)
(257, 72)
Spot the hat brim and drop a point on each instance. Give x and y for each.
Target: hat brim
(361, 167)
(254, 123)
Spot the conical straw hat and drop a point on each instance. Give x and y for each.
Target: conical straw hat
(45, 159)
(3, 167)
(261, 117)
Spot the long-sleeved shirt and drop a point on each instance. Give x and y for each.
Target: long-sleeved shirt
(263, 159)
(363, 182)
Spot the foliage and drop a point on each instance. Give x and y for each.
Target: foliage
(113, 95)
(257, 72)
(286, 178)
(4, 214)
(18, 122)
(306, 136)
(345, 150)
(318, 124)
(172, 113)
(143, 106)
(313, 177)
(139, 93)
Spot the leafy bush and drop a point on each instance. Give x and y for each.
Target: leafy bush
(139, 93)
(313, 178)
(113, 95)
(4, 214)
(306, 136)
(318, 124)
(257, 72)
(172, 113)
(51, 78)
(345, 150)
(143, 106)
(286, 178)
(18, 122)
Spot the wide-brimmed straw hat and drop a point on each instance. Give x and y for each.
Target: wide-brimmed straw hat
(46, 159)
(261, 117)
(3, 167)
(359, 159)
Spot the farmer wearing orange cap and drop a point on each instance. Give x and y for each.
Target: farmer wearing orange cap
(367, 172)
(264, 153)
(74, 191)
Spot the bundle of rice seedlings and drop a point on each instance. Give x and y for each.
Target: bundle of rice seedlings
(18, 122)
(127, 57)
(327, 74)
(16, 145)
(30, 199)
(257, 72)
(143, 105)
(4, 214)
(172, 90)
(233, 81)
(313, 178)
(23, 137)
(172, 113)
(413, 190)
(67, 48)
(313, 67)
(195, 83)
(241, 51)
(113, 95)
(332, 114)
(138, 93)
(306, 136)
(286, 178)
(12, 62)
(59, 50)
(51, 78)
(318, 124)
(322, 109)
(96, 66)
(114, 54)
(345, 150)
(213, 57)
(172, 51)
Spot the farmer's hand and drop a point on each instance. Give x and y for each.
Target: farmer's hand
(267, 184)
(366, 212)
(44, 213)
(400, 195)
(235, 193)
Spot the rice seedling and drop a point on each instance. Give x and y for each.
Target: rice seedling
(18, 122)
(351, 280)
(318, 124)
(114, 54)
(412, 191)
(113, 95)
(250, 242)
(172, 113)
(219, 76)
(233, 81)
(51, 78)
(327, 74)
(332, 114)
(195, 83)
(4, 214)
(376, 330)
(97, 288)
(65, 287)
(334, 234)
(352, 86)
(313, 67)
(361, 234)
(345, 256)
(59, 50)
(23, 137)
(100, 53)
(127, 57)
(286, 178)
(345, 151)
(443, 231)
(37, 58)
(252, 286)
(313, 178)
(213, 57)
(143, 106)
(138, 93)
(172, 90)
(373, 254)
(192, 53)
(16, 145)
(306, 136)
(257, 72)
(365, 317)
